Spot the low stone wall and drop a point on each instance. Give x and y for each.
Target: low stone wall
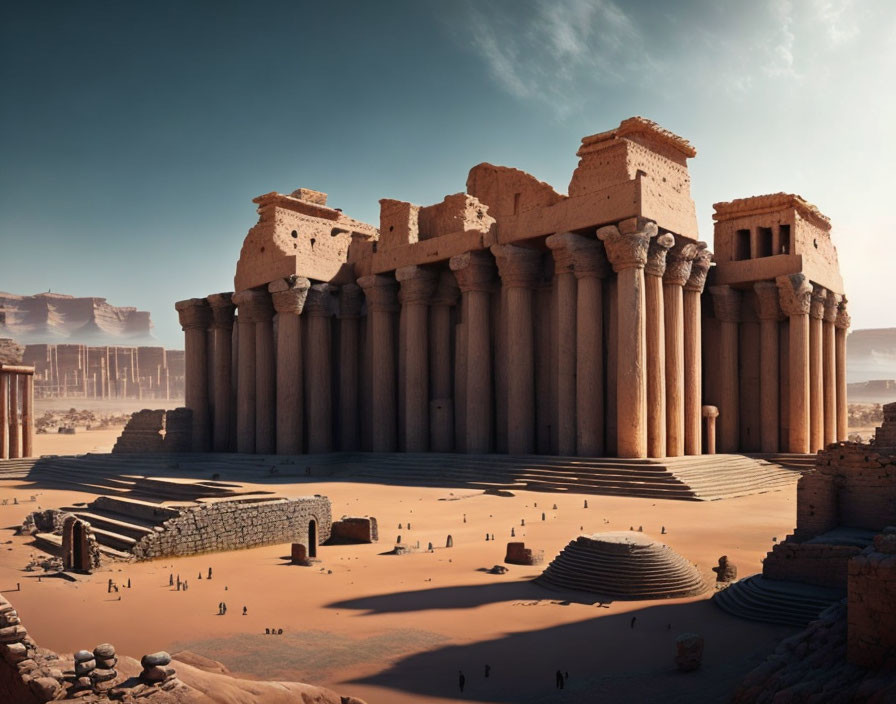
(231, 525)
(519, 554)
(871, 615)
(353, 529)
(818, 564)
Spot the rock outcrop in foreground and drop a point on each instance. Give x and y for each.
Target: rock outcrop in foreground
(33, 675)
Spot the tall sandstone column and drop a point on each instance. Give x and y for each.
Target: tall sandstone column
(222, 310)
(350, 301)
(816, 368)
(265, 376)
(565, 343)
(246, 303)
(626, 247)
(441, 408)
(769, 312)
(382, 304)
(678, 270)
(4, 416)
(590, 267)
(195, 318)
(795, 293)
(726, 305)
(841, 325)
(475, 274)
(27, 415)
(693, 355)
(319, 399)
(288, 297)
(829, 353)
(417, 286)
(520, 271)
(15, 429)
(656, 344)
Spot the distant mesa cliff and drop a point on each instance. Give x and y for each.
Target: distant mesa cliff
(58, 318)
(871, 355)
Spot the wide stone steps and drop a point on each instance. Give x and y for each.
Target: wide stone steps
(113, 523)
(772, 601)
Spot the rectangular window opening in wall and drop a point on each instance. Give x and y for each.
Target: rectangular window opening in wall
(784, 239)
(764, 243)
(516, 203)
(741, 245)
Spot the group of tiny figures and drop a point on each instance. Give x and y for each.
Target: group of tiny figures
(559, 678)
(273, 631)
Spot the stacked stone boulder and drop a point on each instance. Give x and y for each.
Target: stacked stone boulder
(27, 675)
(157, 668)
(232, 525)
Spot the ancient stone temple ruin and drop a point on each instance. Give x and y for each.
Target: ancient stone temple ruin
(511, 318)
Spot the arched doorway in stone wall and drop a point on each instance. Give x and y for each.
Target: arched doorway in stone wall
(312, 538)
(75, 550)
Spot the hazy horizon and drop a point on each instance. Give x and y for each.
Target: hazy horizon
(136, 135)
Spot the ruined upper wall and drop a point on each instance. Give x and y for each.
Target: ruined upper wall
(762, 237)
(297, 235)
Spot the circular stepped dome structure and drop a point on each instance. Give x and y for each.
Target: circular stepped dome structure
(623, 565)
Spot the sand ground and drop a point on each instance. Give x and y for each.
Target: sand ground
(396, 629)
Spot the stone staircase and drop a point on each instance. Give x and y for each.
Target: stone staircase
(775, 601)
(645, 570)
(691, 478)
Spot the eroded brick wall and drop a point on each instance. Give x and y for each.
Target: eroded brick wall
(872, 604)
(822, 565)
(231, 525)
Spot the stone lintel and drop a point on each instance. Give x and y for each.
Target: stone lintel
(768, 307)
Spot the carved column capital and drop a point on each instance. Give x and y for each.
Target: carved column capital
(831, 307)
(656, 254)
(589, 258)
(726, 303)
(843, 320)
(381, 292)
(627, 249)
(417, 284)
(795, 294)
(679, 260)
(351, 298)
(289, 295)
(475, 271)
(816, 305)
(564, 262)
(222, 310)
(447, 291)
(768, 307)
(699, 269)
(254, 306)
(319, 301)
(194, 314)
(518, 267)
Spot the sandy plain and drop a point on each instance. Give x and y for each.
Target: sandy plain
(398, 629)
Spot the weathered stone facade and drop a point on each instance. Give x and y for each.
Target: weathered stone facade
(233, 525)
(872, 604)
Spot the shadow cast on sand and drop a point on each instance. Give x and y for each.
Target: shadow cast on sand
(608, 660)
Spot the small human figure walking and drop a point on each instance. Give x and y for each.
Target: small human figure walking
(632, 623)
(461, 680)
(559, 680)
(488, 669)
(245, 611)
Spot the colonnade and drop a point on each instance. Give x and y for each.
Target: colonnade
(16, 411)
(572, 345)
(800, 403)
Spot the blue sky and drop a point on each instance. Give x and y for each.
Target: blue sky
(134, 135)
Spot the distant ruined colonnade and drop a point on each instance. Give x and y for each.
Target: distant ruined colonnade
(16, 411)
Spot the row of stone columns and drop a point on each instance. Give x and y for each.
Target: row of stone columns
(16, 411)
(813, 383)
(397, 388)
